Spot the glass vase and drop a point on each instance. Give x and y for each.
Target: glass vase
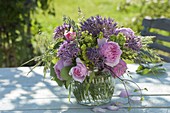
(98, 91)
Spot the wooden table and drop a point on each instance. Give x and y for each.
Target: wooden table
(32, 93)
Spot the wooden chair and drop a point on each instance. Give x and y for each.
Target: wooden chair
(161, 42)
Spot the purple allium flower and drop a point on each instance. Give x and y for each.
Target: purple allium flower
(132, 41)
(95, 57)
(60, 30)
(129, 33)
(95, 25)
(111, 52)
(68, 50)
(59, 65)
(79, 72)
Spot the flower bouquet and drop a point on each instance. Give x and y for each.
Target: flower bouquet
(87, 57)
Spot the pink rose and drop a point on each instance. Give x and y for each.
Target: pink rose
(70, 35)
(79, 72)
(59, 65)
(111, 52)
(119, 69)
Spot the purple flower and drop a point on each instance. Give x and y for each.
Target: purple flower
(111, 52)
(95, 25)
(95, 57)
(101, 41)
(60, 30)
(79, 72)
(68, 50)
(70, 35)
(119, 69)
(132, 41)
(129, 33)
(59, 65)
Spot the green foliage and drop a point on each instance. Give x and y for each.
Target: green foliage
(65, 75)
(144, 8)
(16, 25)
(147, 69)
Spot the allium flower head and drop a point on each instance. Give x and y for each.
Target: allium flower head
(132, 41)
(95, 57)
(60, 30)
(95, 25)
(68, 50)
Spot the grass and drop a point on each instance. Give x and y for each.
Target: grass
(105, 8)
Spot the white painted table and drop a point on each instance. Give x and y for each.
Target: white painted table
(31, 93)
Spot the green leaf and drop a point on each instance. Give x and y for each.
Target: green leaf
(146, 71)
(129, 108)
(52, 72)
(141, 67)
(57, 45)
(65, 73)
(69, 95)
(68, 82)
(136, 90)
(59, 82)
(154, 69)
(142, 99)
(146, 89)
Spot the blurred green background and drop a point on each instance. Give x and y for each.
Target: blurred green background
(26, 26)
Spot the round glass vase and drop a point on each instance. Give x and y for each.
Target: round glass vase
(93, 92)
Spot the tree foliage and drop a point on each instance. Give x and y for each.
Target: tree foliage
(16, 25)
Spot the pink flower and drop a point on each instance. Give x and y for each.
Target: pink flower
(70, 35)
(79, 72)
(59, 65)
(111, 52)
(119, 69)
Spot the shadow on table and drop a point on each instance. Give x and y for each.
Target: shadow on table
(32, 93)
(22, 92)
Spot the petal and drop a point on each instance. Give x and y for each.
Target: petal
(113, 108)
(101, 41)
(67, 63)
(114, 63)
(78, 60)
(135, 100)
(98, 109)
(124, 93)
